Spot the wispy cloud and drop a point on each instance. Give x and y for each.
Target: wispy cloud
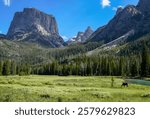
(7, 2)
(105, 3)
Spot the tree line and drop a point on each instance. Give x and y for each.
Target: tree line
(9, 67)
(135, 65)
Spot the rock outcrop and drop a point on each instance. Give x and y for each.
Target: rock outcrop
(119, 10)
(81, 36)
(88, 32)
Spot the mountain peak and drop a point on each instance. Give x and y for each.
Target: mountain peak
(30, 9)
(119, 9)
(128, 19)
(130, 10)
(89, 27)
(34, 10)
(81, 36)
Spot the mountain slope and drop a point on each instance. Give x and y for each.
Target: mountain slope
(120, 47)
(130, 18)
(25, 52)
(35, 26)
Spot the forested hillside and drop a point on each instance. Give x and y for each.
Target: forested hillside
(74, 61)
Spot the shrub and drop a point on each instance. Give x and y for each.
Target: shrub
(59, 99)
(45, 96)
(146, 95)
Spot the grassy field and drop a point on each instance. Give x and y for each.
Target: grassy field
(69, 89)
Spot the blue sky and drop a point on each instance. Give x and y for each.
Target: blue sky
(71, 15)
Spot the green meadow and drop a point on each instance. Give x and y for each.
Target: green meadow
(36, 88)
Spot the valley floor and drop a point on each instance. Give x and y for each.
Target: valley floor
(69, 89)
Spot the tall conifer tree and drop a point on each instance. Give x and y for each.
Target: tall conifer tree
(145, 61)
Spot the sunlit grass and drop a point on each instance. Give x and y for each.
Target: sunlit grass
(69, 89)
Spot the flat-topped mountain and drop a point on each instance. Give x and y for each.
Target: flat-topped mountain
(32, 25)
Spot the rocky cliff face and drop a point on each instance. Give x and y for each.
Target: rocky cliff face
(144, 5)
(81, 36)
(119, 10)
(88, 32)
(130, 18)
(35, 26)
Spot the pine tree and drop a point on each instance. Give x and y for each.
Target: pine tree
(121, 66)
(149, 65)
(18, 69)
(13, 68)
(134, 69)
(6, 68)
(25, 69)
(145, 61)
(1, 68)
(28, 69)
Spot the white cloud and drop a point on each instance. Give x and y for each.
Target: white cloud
(105, 3)
(0, 31)
(7, 2)
(65, 38)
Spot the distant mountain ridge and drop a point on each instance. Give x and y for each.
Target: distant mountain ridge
(81, 36)
(3, 36)
(132, 17)
(32, 25)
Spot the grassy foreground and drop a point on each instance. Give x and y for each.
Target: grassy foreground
(69, 89)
